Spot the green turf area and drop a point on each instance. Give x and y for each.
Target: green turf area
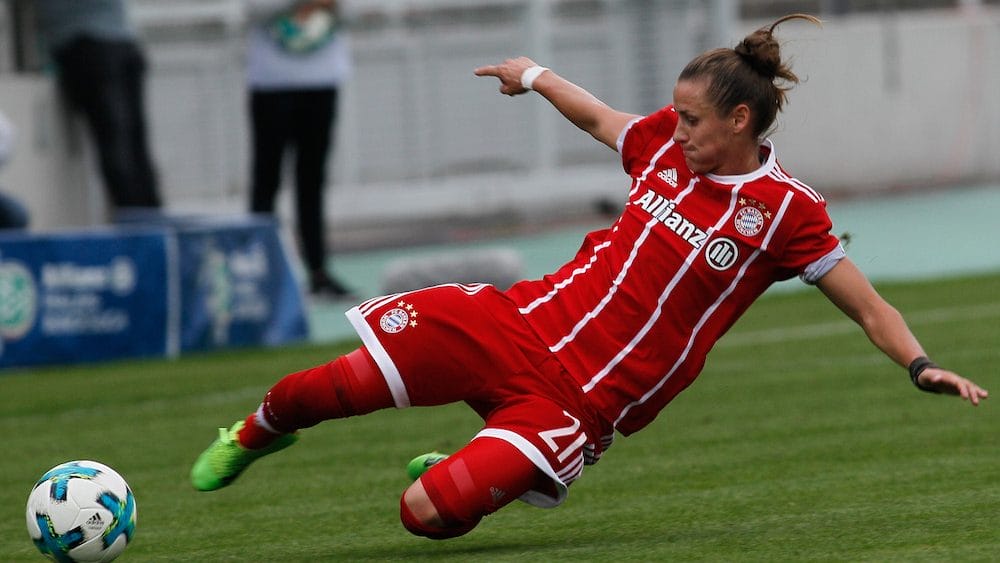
(799, 442)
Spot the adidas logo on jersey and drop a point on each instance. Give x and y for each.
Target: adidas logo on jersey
(669, 176)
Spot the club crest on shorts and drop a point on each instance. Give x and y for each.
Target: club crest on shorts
(398, 318)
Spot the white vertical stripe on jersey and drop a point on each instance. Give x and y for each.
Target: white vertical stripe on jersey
(656, 156)
(657, 311)
(778, 174)
(621, 275)
(666, 292)
(714, 307)
(777, 219)
(636, 182)
(611, 290)
(621, 136)
(635, 187)
(556, 287)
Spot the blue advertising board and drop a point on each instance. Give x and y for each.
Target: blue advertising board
(237, 288)
(68, 298)
(150, 291)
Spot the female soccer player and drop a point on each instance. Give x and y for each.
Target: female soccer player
(555, 366)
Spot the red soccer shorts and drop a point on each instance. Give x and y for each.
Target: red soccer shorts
(468, 343)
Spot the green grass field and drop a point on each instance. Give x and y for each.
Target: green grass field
(799, 442)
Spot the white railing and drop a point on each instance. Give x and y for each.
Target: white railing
(420, 137)
(418, 133)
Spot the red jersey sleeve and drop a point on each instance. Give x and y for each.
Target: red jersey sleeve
(644, 137)
(808, 238)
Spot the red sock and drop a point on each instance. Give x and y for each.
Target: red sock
(475, 481)
(350, 385)
(254, 436)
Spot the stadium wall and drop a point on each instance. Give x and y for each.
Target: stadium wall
(888, 101)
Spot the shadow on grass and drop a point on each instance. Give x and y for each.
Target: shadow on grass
(438, 550)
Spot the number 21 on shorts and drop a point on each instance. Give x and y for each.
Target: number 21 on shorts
(550, 438)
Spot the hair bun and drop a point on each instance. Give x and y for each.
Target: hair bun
(761, 52)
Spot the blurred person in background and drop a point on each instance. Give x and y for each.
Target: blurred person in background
(557, 366)
(101, 68)
(13, 215)
(297, 59)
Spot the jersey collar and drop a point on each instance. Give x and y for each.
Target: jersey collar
(768, 147)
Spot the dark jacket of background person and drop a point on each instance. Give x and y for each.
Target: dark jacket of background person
(101, 68)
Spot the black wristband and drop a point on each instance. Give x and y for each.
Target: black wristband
(917, 367)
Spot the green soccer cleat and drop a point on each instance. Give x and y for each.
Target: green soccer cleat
(420, 464)
(223, 461)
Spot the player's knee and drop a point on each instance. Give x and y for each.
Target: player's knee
(421, 517)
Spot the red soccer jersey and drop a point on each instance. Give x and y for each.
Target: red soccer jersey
(634, 314)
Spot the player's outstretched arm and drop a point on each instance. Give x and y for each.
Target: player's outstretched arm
(579, 106)
(851, 291)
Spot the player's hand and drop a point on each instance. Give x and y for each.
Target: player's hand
(509, 72)
(951, 383)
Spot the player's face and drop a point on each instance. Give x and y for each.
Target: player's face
(708, 139)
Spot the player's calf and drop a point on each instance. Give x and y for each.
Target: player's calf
(422, 519)
(455, 493)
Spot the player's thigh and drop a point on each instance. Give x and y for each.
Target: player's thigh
(438, 345)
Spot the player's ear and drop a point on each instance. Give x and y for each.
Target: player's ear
(739, 119)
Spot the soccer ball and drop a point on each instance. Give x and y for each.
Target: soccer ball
(81, 511)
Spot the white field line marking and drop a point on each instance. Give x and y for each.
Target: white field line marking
(832, 328)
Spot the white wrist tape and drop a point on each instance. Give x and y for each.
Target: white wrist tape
(530, 74)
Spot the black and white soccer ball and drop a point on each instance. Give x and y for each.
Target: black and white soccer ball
(81, 511)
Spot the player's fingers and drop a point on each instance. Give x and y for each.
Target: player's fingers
(488, 70)
(977, 394)
(966, 393)
(963, 388)
(971, 392)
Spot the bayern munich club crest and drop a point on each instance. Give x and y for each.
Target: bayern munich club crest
(398, 318)
(749, 219)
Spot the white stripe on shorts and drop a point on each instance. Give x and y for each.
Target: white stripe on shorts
(533, 497)
(385, 364)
